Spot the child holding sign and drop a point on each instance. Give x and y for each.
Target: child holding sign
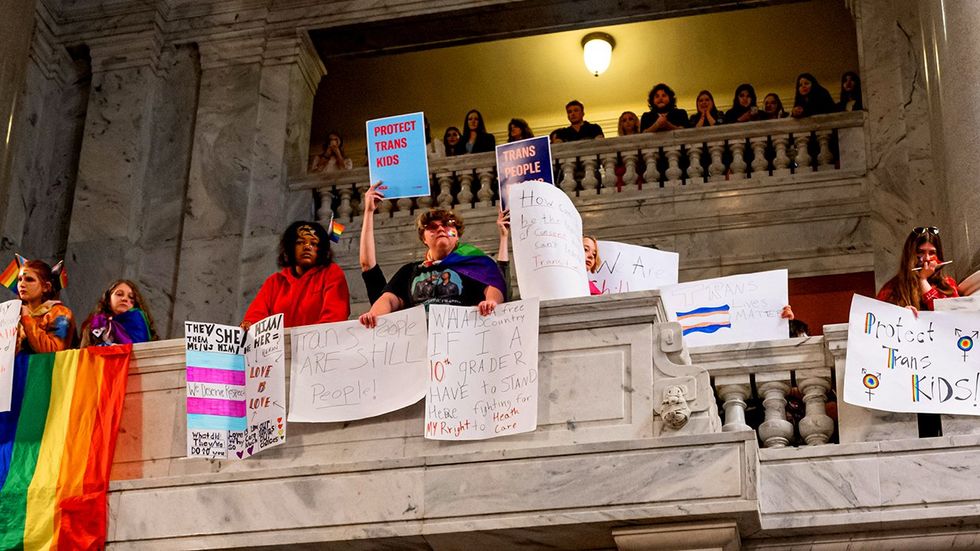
(920, 279)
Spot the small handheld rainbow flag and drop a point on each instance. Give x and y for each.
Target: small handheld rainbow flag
(336, 229)
(8, 278)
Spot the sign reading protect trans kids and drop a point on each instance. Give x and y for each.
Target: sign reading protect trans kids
(397, 156)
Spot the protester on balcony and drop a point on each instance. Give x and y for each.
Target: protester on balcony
(663, 114)
(503, 258)
(332, 157)
(452, 272)
(592, 260)
(920, 279)
(850, 92)
(578, 128)
(707, 114)
(518, 129)
(555, 136)
(744, 108)
(46, 325)
(629, 124)
(433, 148)
(476, 139)
(811, 98)
(772, 108)
(450, 141)
(120, 317)
(371, 273)
(310, 288)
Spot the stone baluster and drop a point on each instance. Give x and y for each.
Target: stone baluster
(803, 160)
(673, 172)
(385, 208)
(589, 181)
(465, 197)
(781, 162)
(734, 390)
(568, 183)
(404, 206)
(325, 212)
(425, 203)
(344, 209)
(738, 159)
(629, 161)
(445, 197)
(695, 172)
(485, 193)
(651, 175)
(716, 170)
(775, 431)
(825, 159)
(760, 166)
(608, 161)
(357, 201)
(816, 427)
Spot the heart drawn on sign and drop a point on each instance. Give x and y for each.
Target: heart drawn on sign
(250, 448)
(240, 454)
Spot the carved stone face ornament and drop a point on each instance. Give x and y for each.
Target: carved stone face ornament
(675, 409)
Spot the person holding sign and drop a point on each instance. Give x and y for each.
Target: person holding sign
(121, 317)
(478, 140)
(920, 279)
(371, 273)
(592, 262)
(46, 325)
(310, 288)
(452, 273)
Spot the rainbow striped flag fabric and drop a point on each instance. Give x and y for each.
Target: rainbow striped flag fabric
(336, 230)
(56, 447)
(8, 278)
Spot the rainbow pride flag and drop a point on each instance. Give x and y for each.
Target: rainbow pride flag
(8, 278)
(336, 230)
(56, 447)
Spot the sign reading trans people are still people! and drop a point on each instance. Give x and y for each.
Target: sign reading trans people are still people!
(397, 155)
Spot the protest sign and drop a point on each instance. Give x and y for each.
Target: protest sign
(724, 310)
(344, 371)
(624, 268)
(899, 362)
(9, 318)
(523, 161)
(236, 388)
(483, 371)
(547, 236)
(397, 155)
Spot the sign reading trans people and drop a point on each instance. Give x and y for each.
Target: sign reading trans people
(523, 161)
(898, 362)
(397, 155)
(724, 310)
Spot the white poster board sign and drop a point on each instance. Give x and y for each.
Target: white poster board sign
(9, 318)
(343, 371)
(547, 236)
(624, 268)
(725, 310)
(897, 362)
(483, 371)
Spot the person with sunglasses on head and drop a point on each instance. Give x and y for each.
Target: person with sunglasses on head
(920, 279)
(465, 276)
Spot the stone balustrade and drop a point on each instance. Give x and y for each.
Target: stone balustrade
(786, 148)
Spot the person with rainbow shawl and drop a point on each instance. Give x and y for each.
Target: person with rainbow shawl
(121, 317)
(464, 275)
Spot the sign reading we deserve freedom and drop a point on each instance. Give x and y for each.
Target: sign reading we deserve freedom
(397, 155)
(236, 388)
(897, 362)
(483, 371)
(9, 318)
(547, 236)
(624, 268)
(724, 310)
(523, 161)
(343, 371)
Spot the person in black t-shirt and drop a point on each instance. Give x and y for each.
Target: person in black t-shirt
(663, 114)
(580, 129)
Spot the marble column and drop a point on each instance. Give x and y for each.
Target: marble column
(251, 134)
(16, 28)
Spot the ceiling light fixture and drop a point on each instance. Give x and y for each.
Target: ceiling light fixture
(598, 49)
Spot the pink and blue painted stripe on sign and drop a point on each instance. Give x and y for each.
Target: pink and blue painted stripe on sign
(216, 370)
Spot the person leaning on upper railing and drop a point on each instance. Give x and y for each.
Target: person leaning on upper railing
(744, 105)
(707, 113)
(310, 288)
(772, 108)
(122, 316)
(850, 92)
(475, 138)
(663, 114)
(518, 129)
(920, 279)
(46, 325)
(332, 157)
(433, 148)
(629, 124)
(450, 141)
(811, 98)
(578, 128)
(452, 272)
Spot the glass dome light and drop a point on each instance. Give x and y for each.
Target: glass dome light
(597, 49)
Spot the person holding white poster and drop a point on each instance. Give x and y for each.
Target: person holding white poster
(626, 268)
(920, 279)
(452, 272)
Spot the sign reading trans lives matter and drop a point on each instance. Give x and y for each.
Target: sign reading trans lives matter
(397, 155)
(343, 371)
(724, 310)
(483, 371)
(236, 388)
(523, 161)
(624, 268)
(897, 362)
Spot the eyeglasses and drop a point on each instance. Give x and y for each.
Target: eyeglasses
(919, 230)
(435, 225)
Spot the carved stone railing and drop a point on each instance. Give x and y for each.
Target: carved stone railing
(787, 148)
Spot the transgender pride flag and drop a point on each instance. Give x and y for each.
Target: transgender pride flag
(707, 319)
